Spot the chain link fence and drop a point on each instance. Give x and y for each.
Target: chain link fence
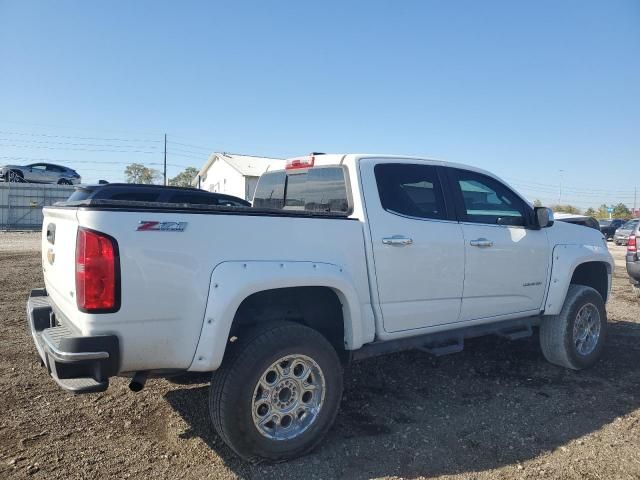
(21, 203)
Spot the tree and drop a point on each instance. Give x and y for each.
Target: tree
(621, 211)
(565, 209)
(602, 211)
(537, 203)
(138, 173)
(184, 178)
(591, 212)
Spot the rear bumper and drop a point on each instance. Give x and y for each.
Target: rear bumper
(622, 239)
(80, 364)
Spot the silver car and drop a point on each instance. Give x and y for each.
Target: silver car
(621, 237)
(39, 173)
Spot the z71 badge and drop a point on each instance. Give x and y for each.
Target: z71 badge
(154, 226)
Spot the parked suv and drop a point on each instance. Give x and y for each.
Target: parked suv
(633, 261)
(621, 237)
(40, 173)
(609, 227)
(154, 193)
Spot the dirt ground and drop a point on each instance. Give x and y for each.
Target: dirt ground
(497, 410)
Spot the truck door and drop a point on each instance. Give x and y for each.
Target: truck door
(506, 259)
(417, 244)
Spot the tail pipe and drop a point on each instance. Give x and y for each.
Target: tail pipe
(138, 381)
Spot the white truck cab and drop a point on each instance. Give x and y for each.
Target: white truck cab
(340, 257)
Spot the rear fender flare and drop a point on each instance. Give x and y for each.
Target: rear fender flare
(232, 282)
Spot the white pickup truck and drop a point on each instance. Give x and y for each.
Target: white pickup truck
(341, 257)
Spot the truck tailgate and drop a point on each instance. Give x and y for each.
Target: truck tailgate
(59, 230)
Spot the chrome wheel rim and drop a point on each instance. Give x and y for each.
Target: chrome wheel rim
(288, 397)
(586, 329)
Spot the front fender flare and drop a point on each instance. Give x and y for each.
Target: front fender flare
(566, 259)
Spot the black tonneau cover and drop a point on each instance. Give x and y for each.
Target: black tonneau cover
(135, 206)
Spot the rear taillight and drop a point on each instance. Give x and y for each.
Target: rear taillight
(97, 272)
(632, 245)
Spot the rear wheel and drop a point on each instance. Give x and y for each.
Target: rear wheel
(64, 181)
(575, 337)
(277, 393)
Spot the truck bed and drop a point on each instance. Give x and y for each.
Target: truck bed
(165, 276)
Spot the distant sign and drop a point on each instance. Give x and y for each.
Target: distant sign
(609, 210)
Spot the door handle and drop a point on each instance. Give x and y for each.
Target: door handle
(397, 240)
(481, 242)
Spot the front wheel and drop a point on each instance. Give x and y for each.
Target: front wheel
(575, 337)
(277, 393)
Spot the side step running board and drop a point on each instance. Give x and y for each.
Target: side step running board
(452, 341)
(444, 349)
(516, 333)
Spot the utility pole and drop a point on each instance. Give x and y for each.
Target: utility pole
(165, 159)
(635, 196)
(560, 188)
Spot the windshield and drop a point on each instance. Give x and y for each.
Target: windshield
(605, 223)
(630, 225)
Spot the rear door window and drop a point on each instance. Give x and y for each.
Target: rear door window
(410, 189)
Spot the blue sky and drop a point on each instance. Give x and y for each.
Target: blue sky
(539, 92)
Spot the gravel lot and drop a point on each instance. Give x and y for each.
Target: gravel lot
(497, 410)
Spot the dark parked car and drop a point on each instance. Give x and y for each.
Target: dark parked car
(39, 173)
(621, 237)
(609, 227)
(583, 220)
(154, 193)
(633, 262)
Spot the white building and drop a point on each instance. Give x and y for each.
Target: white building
(234, 174)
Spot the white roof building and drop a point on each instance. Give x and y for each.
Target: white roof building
(234, 174)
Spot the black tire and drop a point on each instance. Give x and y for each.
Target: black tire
(233, 386)
(557, 331)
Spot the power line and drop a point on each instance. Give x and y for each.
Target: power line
(208, 149)
(182, 150)
(72, 137)
(577, 189)
(75, 144)
(99, 162)
(78, 149)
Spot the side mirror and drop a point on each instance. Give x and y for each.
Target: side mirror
(544, 217)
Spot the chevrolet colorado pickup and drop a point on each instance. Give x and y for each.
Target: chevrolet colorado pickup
(340, 257)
